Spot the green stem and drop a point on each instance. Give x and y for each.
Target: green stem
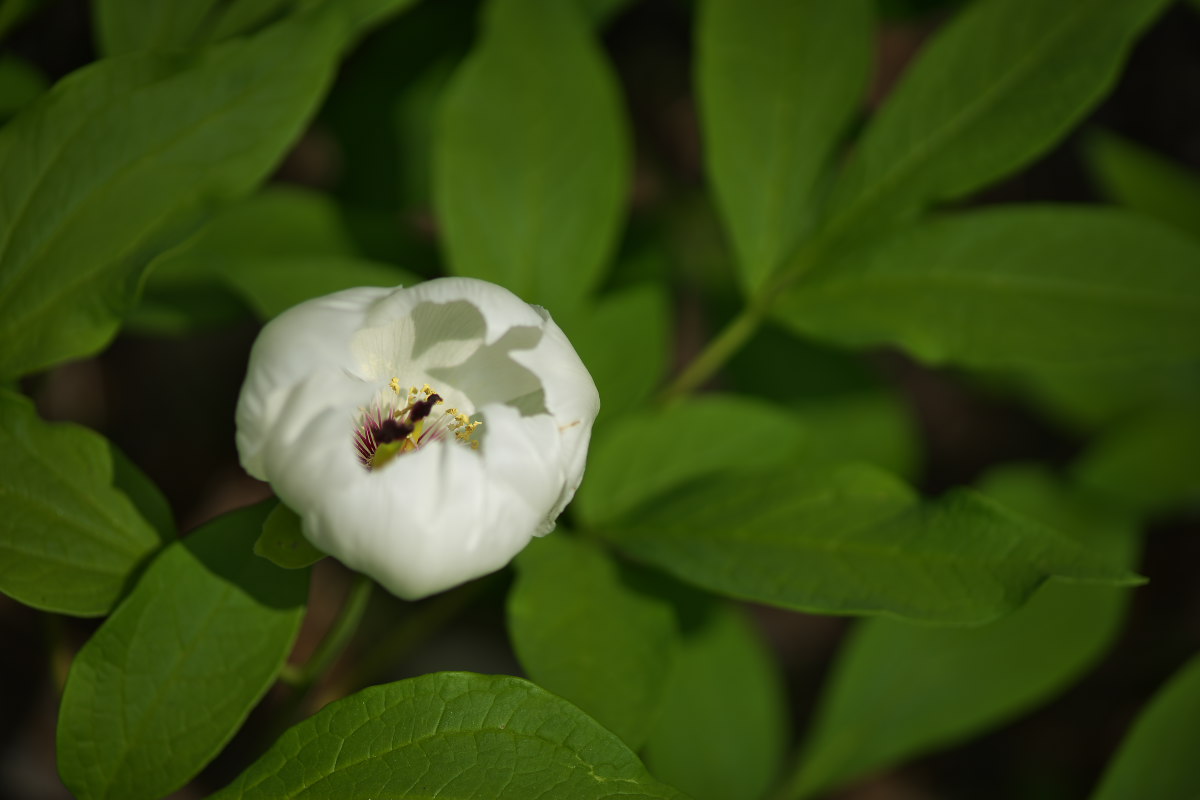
(739, 329)
(336, 639)
(726, 343)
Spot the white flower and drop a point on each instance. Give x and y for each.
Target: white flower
(424, 435)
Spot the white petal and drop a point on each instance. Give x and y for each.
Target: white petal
(311, 338)
(444, 514)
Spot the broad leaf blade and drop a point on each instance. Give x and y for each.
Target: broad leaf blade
(1015, 287)
(778, 81)
(1150, 462)
(1158, 757)
(93, 174)
(722, 731)
(1144, 181)
(451, 736)
(643, 455)
(856, 541)
(130, 26)
(282, 542)
(171, 675)
(899, 690)
(531, 163)
(582, 631)
(998, 86)
(69, 538)
(623, 338)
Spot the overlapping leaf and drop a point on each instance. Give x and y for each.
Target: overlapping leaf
(70, 539)
(171, 675)
(856, 541)
(451, 736)
(1046, 286)
(582, 631)
(531, 163)
(899, 689)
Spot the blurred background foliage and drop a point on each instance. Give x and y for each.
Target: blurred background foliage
(353, 199)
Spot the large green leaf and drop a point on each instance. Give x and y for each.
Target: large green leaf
(998, 86)
(94, 173)
(778, 81)
(855, 540)
(69, 538)
(20, 84)
(899, 689)
(584, 632)
(723, 727)
(1150, 462)
(273, 250)
(171, 675)
(1144, 181)
(531, 160)
(1017, 286)
(643, 455)
(1158, 757)
(450, 736)
(624, 339)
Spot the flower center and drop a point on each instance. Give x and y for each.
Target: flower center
(389, 429)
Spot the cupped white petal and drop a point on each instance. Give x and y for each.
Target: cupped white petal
(435, 516)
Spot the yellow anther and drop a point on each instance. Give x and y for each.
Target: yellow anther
(474, 445)
(413, 390)
(427, 389)
(452, 412)
(394, 383)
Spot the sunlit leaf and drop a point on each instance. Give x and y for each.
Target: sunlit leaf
(450, 736)
(169, 678)
(94, 170)
(778, 81)
(1000, 84)
(531, 158)
(70, 539)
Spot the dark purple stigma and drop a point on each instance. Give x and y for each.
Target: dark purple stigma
(421, 408)
(392, 430)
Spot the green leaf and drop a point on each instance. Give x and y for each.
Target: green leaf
(282, 542)
(584, 632)
(93, 173)
(20, 84)
(871, 427)
(1150, 462)
(856, 541)
(1017, 286)
(624, 339)
(144, 493)
(899, 690)
(130, 26)
(170, 677)
(272, 285)
(450, 736)
(999, 85)
(779, 80)
(531, 164)
(723, 727)
(643, 455)
(69, 538)
(1158, 757)
(1144, 181)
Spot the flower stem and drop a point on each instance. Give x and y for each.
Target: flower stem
(720, 349)
(336, 639)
